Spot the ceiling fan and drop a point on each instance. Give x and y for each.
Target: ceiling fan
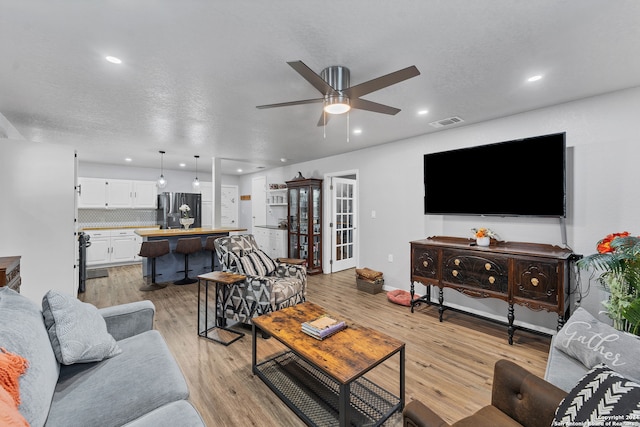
(338, 97)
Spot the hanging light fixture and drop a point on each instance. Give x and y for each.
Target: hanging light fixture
(196, 184)
(161, 183)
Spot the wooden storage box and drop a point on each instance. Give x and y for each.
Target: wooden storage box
(370, 286)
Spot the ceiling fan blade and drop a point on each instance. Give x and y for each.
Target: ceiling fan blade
(381, 82)
(324, 119)
(286, 104)
(363, 104)
(313, 78)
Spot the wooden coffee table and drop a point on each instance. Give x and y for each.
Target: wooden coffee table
(323, 381)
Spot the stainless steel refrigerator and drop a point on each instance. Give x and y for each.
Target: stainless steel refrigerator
(168, 215)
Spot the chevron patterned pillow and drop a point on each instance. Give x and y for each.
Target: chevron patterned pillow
(601, 398)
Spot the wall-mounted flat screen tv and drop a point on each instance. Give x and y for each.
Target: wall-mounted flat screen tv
(524, 177)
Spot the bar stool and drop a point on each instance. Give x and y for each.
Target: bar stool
(208, 246)
(154, 249)
(187, 246)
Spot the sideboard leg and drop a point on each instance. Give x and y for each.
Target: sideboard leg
(412, 293)
(510, 317)
(560, 322)
(440, 303)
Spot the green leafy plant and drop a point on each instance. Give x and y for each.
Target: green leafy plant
(618, 260)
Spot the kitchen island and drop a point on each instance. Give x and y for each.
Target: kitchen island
(170, 267)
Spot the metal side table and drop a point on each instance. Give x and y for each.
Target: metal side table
(221, 279)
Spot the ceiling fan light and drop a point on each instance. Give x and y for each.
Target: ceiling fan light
(337, 105)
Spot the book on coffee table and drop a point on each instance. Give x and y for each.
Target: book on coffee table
(322, 327)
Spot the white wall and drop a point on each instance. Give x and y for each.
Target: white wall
(37, 215)
(603, 137)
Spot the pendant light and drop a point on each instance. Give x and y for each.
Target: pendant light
(161, 183)
(196, 184)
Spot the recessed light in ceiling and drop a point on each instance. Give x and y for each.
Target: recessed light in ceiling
(534, 78)
(182, 165)
(239, 170)
(113, 60)
(128, 159)
(357, 131)
(283, 160)
(423, 112)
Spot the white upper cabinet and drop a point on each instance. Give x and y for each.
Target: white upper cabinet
(117, 194)
(92, 193)
(145, 194)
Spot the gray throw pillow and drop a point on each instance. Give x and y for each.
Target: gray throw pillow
(77, 331)
(592, 342)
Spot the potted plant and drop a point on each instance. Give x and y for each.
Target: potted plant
(483, 236)
(186, 220)
(618, 261)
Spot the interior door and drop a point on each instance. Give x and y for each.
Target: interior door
(229, 208)
(344, 223)
(258, 201)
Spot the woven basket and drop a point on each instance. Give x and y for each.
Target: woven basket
(370, 286)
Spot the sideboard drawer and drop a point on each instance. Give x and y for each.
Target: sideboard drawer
(424, 262)
(472, 270)
(537, 281)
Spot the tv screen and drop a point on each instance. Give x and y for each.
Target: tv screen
(524, 177)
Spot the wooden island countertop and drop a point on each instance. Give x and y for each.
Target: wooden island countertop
(172, 232)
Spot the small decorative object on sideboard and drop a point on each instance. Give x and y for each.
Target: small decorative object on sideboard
(483, 236)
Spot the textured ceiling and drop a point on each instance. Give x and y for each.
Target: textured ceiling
(194, 71)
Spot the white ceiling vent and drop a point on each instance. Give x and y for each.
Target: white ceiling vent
(446, 122)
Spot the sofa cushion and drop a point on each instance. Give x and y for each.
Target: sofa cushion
(180, 413)
(118, 390)
(23, 332)
(601, 397)
(592, 342)
(78, 333)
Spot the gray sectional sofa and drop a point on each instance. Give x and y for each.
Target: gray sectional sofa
(139, 383)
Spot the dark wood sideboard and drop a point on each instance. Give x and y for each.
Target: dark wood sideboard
(533, 275)
(10, 272)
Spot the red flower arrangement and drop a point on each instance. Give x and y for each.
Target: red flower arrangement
(604, 245)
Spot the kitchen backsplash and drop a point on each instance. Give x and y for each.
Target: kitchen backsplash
(116, 217)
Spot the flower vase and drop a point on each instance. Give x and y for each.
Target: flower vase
(483, 241)
(186, 222)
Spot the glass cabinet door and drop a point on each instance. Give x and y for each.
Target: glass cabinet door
(305, 222)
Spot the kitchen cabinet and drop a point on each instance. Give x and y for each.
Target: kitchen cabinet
(101, 193)
(305, 222)
(117, 246)
(145, 195)
(272, 240)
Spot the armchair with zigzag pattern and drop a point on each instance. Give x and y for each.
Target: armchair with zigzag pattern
(269, 286)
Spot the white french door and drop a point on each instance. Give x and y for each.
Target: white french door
(344, 215)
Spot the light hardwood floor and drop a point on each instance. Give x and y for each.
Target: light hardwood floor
(449, 365)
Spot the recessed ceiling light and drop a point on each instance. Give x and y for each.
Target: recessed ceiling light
(113, 60)
(423, 112)
(239, 170)
(534, 78)
(283, 160)
(128, 159)
(182, 165)
(357, 131)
